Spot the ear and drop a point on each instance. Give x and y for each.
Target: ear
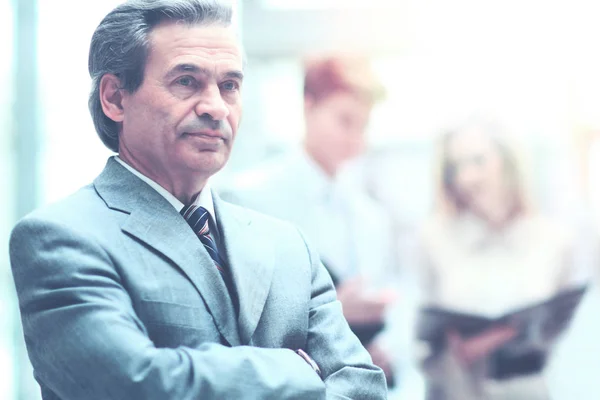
(309, 102)
(111, 97)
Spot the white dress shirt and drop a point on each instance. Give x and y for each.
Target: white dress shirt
(350, 231)
(203, 200)
(472, 268)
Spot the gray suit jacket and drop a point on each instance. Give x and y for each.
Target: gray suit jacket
(119, 300)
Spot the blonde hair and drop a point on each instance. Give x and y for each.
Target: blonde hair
(448, 203)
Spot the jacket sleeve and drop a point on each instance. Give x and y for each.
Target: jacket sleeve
(85, 340)
(348, 371)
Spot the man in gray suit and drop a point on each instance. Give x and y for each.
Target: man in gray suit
(144, 285)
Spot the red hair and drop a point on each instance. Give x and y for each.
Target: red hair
(327, 75)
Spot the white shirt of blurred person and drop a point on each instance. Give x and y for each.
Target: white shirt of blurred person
(350, 231)
(485, 251)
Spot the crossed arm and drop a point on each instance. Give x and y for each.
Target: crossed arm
(86, 341)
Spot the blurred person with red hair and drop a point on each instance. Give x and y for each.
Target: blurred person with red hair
(339, 94)
(487, 252)
(351, 232)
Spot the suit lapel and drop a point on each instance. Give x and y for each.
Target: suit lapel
(251, 261)
(156, 223)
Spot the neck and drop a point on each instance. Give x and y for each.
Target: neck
(184, 190)
(322, 162)
(184, 193)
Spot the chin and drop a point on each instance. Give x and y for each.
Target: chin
(208, 164)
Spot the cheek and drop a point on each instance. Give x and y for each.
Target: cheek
(458, 184)
(235, 116)
(465, 178)
(496, 169)
(150, 116)
(319, 121)
(359, 145)
(332, 130)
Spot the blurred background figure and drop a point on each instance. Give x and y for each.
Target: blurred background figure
(351, 232)
(487, 251)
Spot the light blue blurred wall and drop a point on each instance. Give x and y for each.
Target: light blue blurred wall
(7, 206)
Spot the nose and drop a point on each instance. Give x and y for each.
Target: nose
(468, 176)
(212, 104)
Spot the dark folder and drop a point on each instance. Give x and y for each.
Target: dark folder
(537, 325)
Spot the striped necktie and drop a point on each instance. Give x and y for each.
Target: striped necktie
(199, 219)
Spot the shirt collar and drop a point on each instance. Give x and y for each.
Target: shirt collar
(203, 200)
(316, 183)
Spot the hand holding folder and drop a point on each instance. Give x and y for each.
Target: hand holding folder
(512, 353)
(473, 349)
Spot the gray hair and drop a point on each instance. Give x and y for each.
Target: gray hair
(120, 46)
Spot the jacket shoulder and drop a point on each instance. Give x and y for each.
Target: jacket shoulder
(83, 211)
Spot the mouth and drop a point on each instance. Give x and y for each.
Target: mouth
(207, 135)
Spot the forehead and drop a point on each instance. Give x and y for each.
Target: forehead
(469, 142)
(345, 100)
(173, 43)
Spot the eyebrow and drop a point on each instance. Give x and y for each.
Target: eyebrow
(194, 69)
(239, 75)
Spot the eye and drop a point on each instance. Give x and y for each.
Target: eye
(185, 81)
(230, 86)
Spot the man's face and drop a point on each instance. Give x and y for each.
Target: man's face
(182, 120)
(335, 127)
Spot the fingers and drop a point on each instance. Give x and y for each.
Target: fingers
(362, 305)
(498, 336)
(480, 346)
(380, 358)
(387, 296)
(351, 287)
(362, 310)
(493, 339)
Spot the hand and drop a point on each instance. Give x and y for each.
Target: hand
(477, 347)
(362, 306)
(381, 358)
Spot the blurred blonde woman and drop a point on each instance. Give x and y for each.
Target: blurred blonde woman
(486, 251)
